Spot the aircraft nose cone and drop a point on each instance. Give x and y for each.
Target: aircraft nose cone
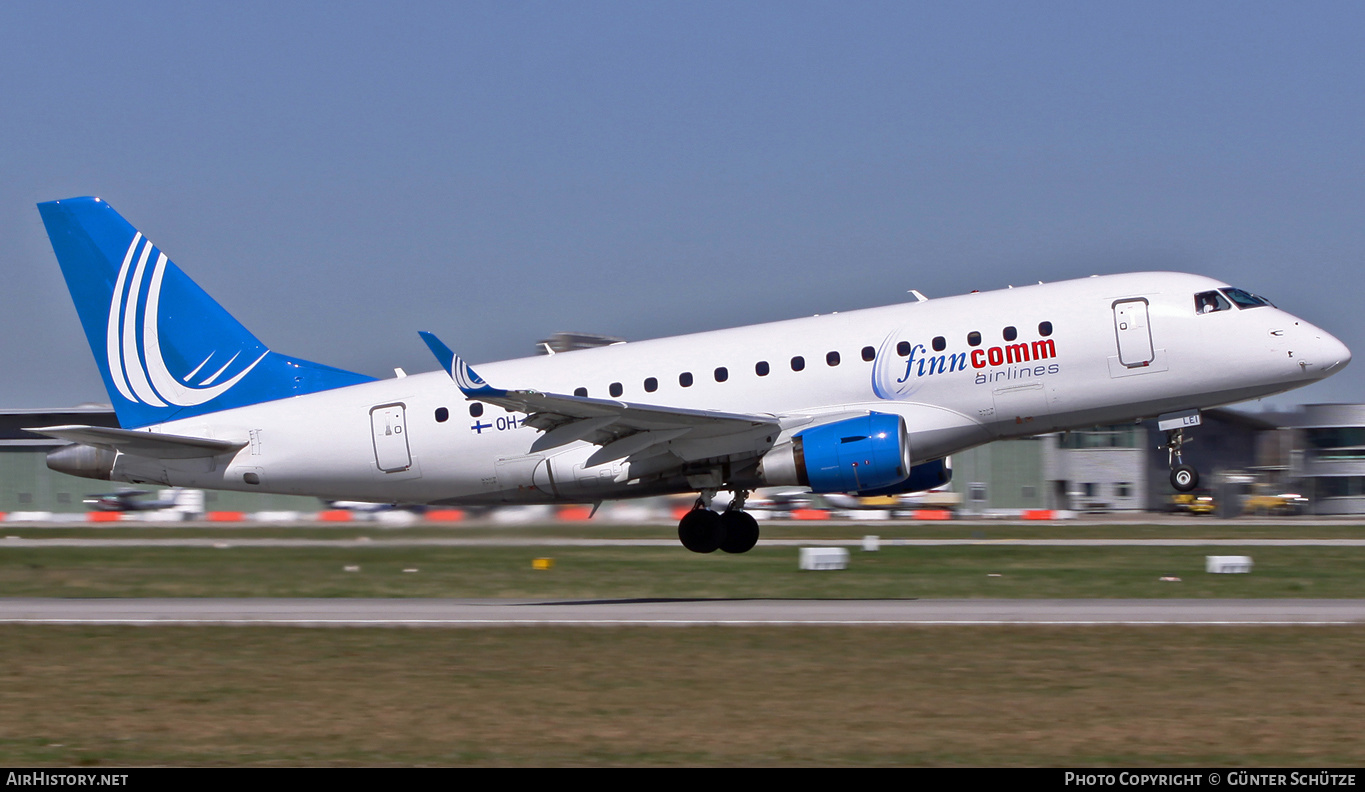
(1336, 349)
(1329, 353)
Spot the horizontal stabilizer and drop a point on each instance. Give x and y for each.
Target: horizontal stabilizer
(146, 444)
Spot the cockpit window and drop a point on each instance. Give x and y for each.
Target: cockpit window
(1210, 301)
(1246, 299)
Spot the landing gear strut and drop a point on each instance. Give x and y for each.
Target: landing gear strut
(1183, 477)
(733, 531)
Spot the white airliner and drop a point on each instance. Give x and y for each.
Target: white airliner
(867, 402)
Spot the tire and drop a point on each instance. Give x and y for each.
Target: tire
(701, 531)
(1184, 478)
(741, 532)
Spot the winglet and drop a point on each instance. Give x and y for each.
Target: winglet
(444, 355)
(469, 383)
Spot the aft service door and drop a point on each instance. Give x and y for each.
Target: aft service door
(389, 429)
(1134, 334)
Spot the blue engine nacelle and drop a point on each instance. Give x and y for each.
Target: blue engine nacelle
(857, 454)
(922, 477)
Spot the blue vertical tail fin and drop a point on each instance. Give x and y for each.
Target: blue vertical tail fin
(165, 348)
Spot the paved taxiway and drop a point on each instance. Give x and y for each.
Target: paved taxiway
(674, 612)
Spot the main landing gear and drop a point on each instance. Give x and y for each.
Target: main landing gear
(1183, 477)
(733, 530)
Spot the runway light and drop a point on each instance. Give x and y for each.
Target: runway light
(542, 563)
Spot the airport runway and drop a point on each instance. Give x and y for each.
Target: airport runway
(674, 612)
(515, 541)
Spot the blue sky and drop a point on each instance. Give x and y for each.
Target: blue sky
(341, 175)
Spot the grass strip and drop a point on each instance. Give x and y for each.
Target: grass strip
(1169, 696)
(974, 571)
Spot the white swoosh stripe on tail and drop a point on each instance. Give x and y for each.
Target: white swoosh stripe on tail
(215, 375)
(112, 353)
(136, 376)
(162, 379)
(190, 375)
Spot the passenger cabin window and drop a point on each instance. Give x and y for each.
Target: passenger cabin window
(973, 339)
(1045, 329)
(476, 409)
(940, 343)
(615, 389)
(1011, 334)
(722, 374)
(903, 349)
(442, 415)
(869, 354)
(1210, 302)
(798, 363)
(761, 368)
(685, 379)
(832, 359)
(580, 391)
(651, 385)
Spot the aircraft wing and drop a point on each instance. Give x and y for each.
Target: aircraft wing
(623, 429)
(147, 444)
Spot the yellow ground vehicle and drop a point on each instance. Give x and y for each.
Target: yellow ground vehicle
(1265, 504)
(1199, 501)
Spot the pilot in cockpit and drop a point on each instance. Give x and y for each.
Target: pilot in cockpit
(1210, 302)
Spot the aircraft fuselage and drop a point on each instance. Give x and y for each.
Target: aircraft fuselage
(961, 371)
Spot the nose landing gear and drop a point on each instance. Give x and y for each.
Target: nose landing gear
(732, 531)
(1183, 477)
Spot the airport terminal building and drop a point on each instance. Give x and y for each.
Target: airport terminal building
(1317, 451)
(1329, 456)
